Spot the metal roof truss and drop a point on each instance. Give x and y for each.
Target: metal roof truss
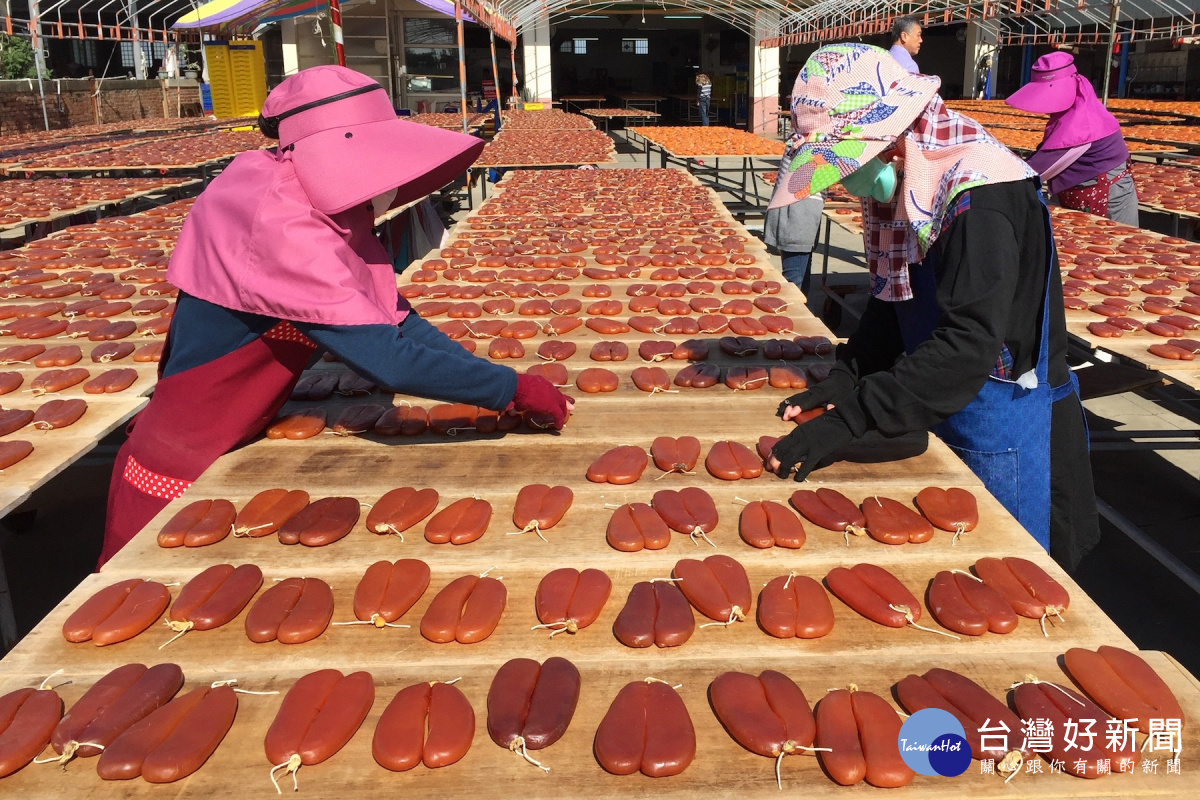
(1018, 21)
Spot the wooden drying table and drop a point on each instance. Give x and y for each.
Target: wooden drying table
(494, 467)
(1131, 349)
(480, 168)
(610, 159)
(54, 451)
(196, 124)
(1190, 379)
(1176, 215)
(475, 121)
(1159, 156)
(608, 115)
(707, 167)
(545, 125)
(1131, 346)
(13, 165)
(834, 213)
(649, 141)
(147, 375)
(202, 169)
(722, 768)
(1165, 146)
(685, 107)
(578, 100)
(635, 99)
(61, 214)
(871, 656)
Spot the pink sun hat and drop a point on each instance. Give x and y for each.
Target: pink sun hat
(1052, 87)
(850, 103)
(347, 145)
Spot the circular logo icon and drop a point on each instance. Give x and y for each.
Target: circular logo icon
(932, 742)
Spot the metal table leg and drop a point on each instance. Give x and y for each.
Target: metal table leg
(825, 254)
(8, 620)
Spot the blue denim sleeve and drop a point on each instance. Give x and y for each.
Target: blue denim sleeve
(416, 358)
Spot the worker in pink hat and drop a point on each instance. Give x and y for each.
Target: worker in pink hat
(963, 334)
(1082, 158)
(277, 260)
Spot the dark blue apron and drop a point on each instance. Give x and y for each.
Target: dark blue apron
(1003, 435)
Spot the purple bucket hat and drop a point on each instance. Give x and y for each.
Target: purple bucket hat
(1051, 88)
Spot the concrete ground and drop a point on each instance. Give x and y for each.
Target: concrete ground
(52, 543)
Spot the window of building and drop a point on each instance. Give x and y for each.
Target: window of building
(576, 46)
(83, 52)
(153, 51)
(425, 30)
(430, 54)
(639, 47)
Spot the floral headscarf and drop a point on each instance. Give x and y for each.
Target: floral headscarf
(850, 104)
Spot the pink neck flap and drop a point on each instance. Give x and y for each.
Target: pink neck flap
(1086, 121)
(253, 242)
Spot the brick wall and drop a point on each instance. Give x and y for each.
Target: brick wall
(71, 102)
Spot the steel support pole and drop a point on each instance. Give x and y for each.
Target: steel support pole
(39, 61)
(495, 69)
(462, 64)
(1114, 12)
(203, 53)
(139, 61)
(496, 79)
(1123, 71)
(335, 22)
(513, 63)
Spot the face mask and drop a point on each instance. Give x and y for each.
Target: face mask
(873, 179)
(380, 203)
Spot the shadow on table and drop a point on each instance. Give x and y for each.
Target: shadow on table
(875, 449)
(623, 146)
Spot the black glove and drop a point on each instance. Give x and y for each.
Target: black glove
(811, 442)
(835, 389)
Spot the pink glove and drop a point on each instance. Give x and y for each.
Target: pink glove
(537, 395)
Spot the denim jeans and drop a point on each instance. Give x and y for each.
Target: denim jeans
(795, 268)
(704, 102)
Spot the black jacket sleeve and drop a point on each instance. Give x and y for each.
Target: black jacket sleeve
(875, 344)
(977, 271)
